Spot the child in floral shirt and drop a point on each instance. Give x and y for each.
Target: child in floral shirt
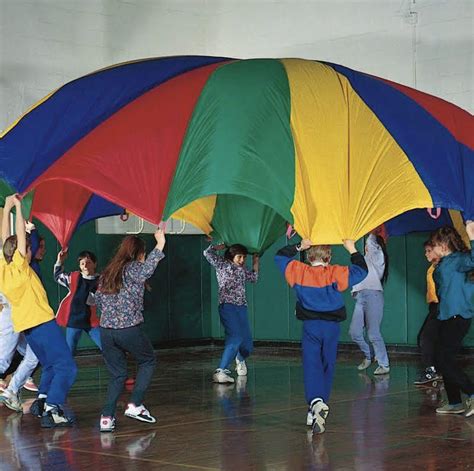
(120, 300)
(231, 277)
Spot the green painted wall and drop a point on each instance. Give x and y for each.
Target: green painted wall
(183, 302)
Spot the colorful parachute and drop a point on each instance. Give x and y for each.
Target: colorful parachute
(240, 148)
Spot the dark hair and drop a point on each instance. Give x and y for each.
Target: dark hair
(87, 254)
(428, 243)
(380, 240)
(235, 249)
(449, 236)
(130, 249)
(10, 245)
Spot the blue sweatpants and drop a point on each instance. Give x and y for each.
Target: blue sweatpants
(238, 337)
(319, 345)
(59, 369)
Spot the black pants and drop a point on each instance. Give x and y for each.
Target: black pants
(451, 335)
(115, 344)
(428, 337)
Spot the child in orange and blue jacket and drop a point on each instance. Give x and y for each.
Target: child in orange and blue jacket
(320, 305)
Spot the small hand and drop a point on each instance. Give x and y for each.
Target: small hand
(62, 255)
(29, 227)
(349, 245)
(219, 247)
(305, 244)
(160, 239)
(470, 229)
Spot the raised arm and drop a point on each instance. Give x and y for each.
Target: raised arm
(6, 230)
(60, 277)
(213, 257)
(467, 261)
(20, 227)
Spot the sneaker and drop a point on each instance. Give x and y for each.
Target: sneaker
(240, 367)
(3, 385)
(427, 376)
(107, 424)
(139, 413)
(320, 411)
(11, 400)
(37, 408)
(30, 385)
(309, 418)
(382, 370)
(469, 407)
(451, 409)
(53, 416)
(222, 376)
(365, 364)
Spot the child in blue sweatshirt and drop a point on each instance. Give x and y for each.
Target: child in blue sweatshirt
(320, 305)
(455, 291)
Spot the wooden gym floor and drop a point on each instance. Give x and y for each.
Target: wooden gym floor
(375, 423)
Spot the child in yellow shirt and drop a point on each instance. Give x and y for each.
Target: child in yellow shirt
(32, 315)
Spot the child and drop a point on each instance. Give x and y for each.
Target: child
(455, 293)
(74, 312)
(428, 335)
(231, 277)
(320, 306)
(120, 300)
(11, 341)
(368, 310)
(32, 315)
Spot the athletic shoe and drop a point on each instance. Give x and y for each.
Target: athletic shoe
(240, 367)
(3, 385)
(309, 418)
(53, 416)
(469, 407)
(139, 413)
(382, 370)
(11, 400)
(107, 424)
(365, 364)
(30, 385)
(320, 411)
(222, 376)
(451, 409)
(37, 408)
(428, 375)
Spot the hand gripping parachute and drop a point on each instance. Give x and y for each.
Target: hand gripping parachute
(241, 148)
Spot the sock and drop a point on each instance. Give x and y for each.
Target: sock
(42, 396)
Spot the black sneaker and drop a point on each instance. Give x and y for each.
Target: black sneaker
(55, 417)
(428, 376)
(37, 408)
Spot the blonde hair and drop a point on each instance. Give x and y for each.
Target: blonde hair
(319, 253)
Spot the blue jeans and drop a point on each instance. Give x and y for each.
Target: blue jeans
(319, 344)
(59, 369)
(117, 342)
(238, 337)
(73, 335)
(368, 313)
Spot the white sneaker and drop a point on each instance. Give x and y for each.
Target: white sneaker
(222, 376)
(382, 370)
(309, 418)
(240, 367)
(320, 411)
(140, 413)
(365, 364)
(11, 400)
(107, 424)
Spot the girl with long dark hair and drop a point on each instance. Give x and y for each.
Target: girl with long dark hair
(120, 300)
(368, 311)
